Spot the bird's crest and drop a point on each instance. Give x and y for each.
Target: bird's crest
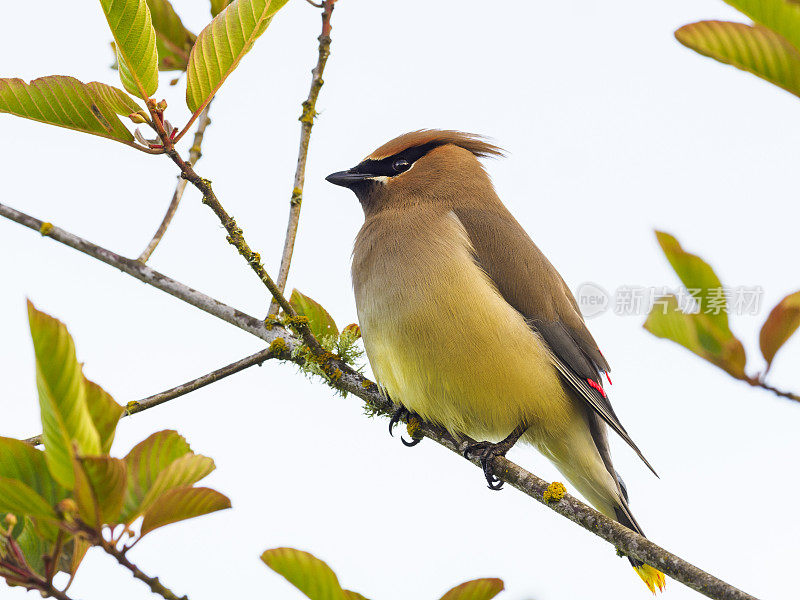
(431, 138)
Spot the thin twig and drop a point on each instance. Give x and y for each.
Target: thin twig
(195, 152)
(306, 123)
(138, 406)
(755, 382)
(344, 378)
(152, 582)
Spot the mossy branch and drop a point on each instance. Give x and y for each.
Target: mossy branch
(306, 123)
(626, 541)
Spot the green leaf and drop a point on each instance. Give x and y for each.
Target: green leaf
(306, 572)
(100, 484)
(145, 461)
(66, 419)
(477, 589)
(222, 44)
(217, 6)
(781, 323)
(20, 499)
(781, 16)
(173, 40)
(64, 102)
(180, 504)
(319, 320)
(27, 464)
(105, 413)
(181, 472)
(351, 595)
(707, 332)
(755, 49)
(698, 333)
(135, 39)
(115, 98)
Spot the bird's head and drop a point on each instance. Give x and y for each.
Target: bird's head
(429, 165)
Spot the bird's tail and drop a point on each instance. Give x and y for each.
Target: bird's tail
(652, 577)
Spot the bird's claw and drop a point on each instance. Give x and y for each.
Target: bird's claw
(486, 452)
(399, 414)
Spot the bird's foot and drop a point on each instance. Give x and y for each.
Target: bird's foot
(401, 413)
(486, 452)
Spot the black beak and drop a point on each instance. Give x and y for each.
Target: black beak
(347, 179)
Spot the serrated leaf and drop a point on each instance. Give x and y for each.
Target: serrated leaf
(173, 40)
(100, 484)
(115, 98)
(222, 44)
(183, 503)
(66, 420)
(698, 333)
(181, 472)
(780, 325)
(21, 499)
(145, 461)
(217, 6)
(135, 39)
(781, 16)
(477, 589)
(306, 572)
(65, 102)
(319, 320)
(755, 49)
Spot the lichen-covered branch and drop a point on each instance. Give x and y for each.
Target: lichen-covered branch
(306, 123)
(195, 152)
(342, 377)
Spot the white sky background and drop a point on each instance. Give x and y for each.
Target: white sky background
(612, 128)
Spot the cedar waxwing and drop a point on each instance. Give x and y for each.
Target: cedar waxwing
(468, 325)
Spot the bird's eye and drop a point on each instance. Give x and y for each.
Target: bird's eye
(400, 165)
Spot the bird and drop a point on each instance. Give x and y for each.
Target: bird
(467, 325)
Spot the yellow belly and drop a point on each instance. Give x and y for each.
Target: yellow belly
(444, 343)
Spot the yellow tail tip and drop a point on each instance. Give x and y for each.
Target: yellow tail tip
(653, 578)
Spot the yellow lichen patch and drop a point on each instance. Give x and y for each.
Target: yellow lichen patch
(414, 428)
(366, 383)
(132, 405)
(336, 375)
(46, 228)
(554, 492)
(277, 346)
(298, 320)
(653, 578)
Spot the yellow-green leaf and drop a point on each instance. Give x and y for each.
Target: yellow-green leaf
(306, 572)
(105, 413)
(115, 98)
(66, 420)
(21, 499)
(180, 504)
(477, 589)
(781, 323)
(781, 16)
(27, 464)
(698, 333)
(351, 595)
(100, 484)
(181, 472)
(145, 461)
(135, 39)
(65, 102)
(319, 320)
(222, 44)
(751, 48)
(173, 40)
(217, 6)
